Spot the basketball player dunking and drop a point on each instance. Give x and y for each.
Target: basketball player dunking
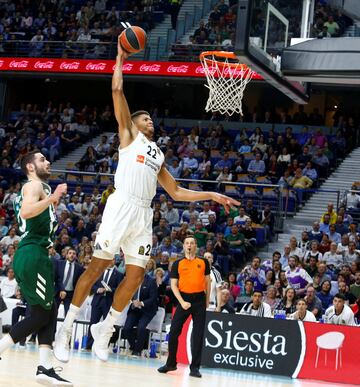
(127, 218)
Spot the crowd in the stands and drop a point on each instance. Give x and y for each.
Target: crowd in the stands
(324, 261)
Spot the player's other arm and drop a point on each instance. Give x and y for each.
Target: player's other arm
(127, 129)
(32, 204)
(182, 194)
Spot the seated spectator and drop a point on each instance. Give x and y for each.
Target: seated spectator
(302, 313)
(351, 255)
(168, 247)
(242, 217)
(142, 310)
(297, 277)
(185, 217)
(343, 288)
(310, 172)
(9, 285)
(189, 164)
(353, 234)
(288, 303)
(333, 235)
(224, 162)
(270, 297)
(313, 302)
(332, 27)
(355, 287)
(324, 245)
(223, 304)
(256, 307)
(315, 233)
(267, 220)
(224, 176)
(294, 249)
(339, 313)
(313, 252)
(205, 213)
(257, 166)
(332, 259)
(352, 198)
(9, 239)
(251, 211)
(171, 214)
(234, 288)
(304, 244)
(300, 181)
(284, 260)
(325, 224)
(324, 294)
(175, 169)
(321, 162)
(236, 241)
(255, 273)
(245, 147)
(162, 230)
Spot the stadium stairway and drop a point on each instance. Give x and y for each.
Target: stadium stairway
(340, 180)
(157, 36)
(73, 157)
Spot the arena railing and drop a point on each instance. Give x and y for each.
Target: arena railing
(64, 49)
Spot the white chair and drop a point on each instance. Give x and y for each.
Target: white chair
(330, 341)
(155, 326)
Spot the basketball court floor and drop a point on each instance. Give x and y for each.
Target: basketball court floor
(18, 366)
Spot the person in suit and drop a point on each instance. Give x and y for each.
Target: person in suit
(142, 310)
(103, 296)
(67, 273)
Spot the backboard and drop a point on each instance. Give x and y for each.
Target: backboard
(264, 28)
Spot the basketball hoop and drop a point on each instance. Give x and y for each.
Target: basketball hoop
(227, 79)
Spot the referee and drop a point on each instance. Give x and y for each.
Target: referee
(190, 283)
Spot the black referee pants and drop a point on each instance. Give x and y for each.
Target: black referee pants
(198, 314)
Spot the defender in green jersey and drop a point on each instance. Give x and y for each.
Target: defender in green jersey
(35, 212)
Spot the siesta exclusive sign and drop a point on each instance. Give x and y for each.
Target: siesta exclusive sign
(92, 66)
(247, 344)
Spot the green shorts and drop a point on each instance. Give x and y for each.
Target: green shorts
(34, 272)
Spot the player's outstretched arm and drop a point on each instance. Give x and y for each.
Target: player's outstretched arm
(182, 194)
(127, 129)
(31, 205)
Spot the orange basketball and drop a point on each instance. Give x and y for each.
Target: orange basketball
(133, 39)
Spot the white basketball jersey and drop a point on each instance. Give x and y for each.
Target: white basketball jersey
(138, 168)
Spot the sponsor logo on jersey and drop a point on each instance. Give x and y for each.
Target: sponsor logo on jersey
(140, 159)
(141, 250)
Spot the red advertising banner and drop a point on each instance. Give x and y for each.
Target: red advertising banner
(280, 347)
(332, 353)
(93, 66)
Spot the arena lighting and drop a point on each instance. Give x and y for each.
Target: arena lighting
(96, 66)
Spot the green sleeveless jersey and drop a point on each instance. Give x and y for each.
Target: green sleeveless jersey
(40, 229)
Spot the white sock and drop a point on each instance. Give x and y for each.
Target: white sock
(112, 317)
(45, 356)
(71, 316)
(5, 343)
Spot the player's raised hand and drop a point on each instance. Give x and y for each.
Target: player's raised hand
(121, 52)
(226, 201)
(60, 190)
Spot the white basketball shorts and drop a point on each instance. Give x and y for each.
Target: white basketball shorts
(126, 224)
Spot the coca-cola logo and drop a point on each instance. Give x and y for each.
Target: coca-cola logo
(44, 65)
(69, 66)
(96, 66)
(154, 68)
(178, 69)
(22, 64)
(1, 63)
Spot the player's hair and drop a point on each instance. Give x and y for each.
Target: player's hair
(340, 296)
(26, 159)
(139, 113)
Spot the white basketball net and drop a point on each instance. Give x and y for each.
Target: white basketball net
(226, 82)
